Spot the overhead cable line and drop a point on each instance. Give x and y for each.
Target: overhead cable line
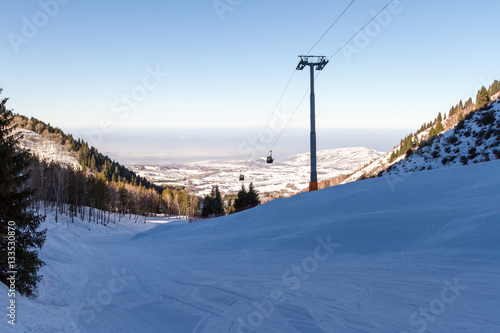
(359, 31)
(333, 55)
(271, 116)
(290, 80)
(289, 119)
(331, 26)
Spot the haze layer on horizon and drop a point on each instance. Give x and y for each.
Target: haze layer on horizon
(185, 145)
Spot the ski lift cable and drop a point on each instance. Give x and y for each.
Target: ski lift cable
(290, 80)
(296, 109)
(319, 72)
(359, 31)
(290, 118)
(271, 116)
(331, 26)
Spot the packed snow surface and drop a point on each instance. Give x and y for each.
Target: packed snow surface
(413, 252)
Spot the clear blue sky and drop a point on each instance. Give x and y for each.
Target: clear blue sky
(230, 72)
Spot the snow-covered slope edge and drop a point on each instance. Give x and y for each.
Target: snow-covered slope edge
(342, 159)
(362, 257)
(475, 140)
(47, 149)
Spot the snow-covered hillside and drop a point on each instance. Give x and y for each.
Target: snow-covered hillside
(282, 177)
(46, 149)
(417, 255)
(340, 159)
(475, 140)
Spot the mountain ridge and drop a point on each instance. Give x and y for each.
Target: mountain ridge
(425, 138)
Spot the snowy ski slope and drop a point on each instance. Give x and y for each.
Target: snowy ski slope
(413, 252)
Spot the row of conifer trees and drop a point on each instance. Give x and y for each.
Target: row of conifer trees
(30, 186)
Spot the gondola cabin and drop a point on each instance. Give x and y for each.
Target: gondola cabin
(270, 158)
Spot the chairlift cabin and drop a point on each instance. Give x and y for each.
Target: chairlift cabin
(270, 158)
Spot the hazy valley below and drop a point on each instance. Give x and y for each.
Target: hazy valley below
(282, 178)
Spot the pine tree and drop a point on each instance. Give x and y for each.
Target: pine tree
(494, 88)
(122, 198)
(469, 104)
(393, 157)
(242, 199)
(432, 132)
(452, 111)
(212, 203)
(16, 220)
(218, 204)
(439, 127)
(117, 173)
(106, 170)
(482, 98)
(93, 164)
(247, 198)
(253, 196)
